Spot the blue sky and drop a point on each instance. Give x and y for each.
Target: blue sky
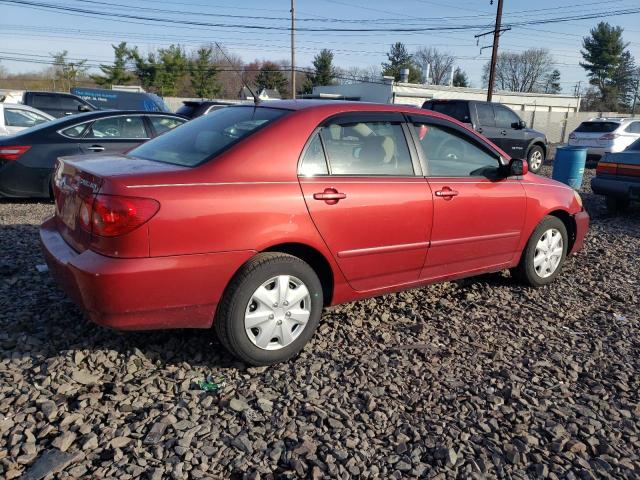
(32, 33)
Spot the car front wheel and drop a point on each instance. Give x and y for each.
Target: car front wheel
(270, 310)
(544, 253)
(535, 158)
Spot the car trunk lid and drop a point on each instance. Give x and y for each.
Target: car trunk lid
(625, 164)
(79, 180)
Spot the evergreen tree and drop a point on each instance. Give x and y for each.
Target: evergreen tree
(324, 73)
(115, 74)
(460, 78)
(624, 80)
(603, 53)
(399, 58)
(552, 82)
(203, 74)
(271, 77)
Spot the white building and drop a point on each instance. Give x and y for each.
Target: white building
(389, 91)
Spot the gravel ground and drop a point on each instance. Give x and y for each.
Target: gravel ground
(475, 379)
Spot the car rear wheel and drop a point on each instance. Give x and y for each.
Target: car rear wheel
(535, 158)
(616, 204)
(544, 253)
(270, 309)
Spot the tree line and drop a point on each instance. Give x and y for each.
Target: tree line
(210, 72)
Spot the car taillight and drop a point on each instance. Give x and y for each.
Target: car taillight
(572, 136)
(609, 136)
(13, 152)
(606, 167)
(112, 216)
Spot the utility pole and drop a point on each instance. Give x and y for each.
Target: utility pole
(576, 90)
(293, 49)
(635, 96)
(494, 52)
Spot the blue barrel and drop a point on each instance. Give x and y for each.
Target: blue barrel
(568, 165)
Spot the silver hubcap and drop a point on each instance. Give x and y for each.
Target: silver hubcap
(548, 253)
(535, 160)
(278, 312)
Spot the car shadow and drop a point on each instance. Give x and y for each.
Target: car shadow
(39, 321)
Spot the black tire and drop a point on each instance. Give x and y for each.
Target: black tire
(526, 271)
(535, 158)
(230, 317)
(616, 204)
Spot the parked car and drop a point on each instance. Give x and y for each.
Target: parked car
(618, 177)
(15, 117)
(27, 158)
(499, 124)
(105, 99)
(57, 104)
(605, 135)
(259, 216)
(196, 108)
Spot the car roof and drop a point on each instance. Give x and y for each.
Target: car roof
(337, 105)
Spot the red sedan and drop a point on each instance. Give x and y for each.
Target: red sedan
(252, 219)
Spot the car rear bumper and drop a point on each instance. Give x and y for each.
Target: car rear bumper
(618, 188)
(141, 293)
(582, 225)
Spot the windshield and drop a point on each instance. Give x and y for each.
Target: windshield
(597, 127)
(205, 137)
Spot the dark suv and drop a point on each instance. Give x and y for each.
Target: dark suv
(57, 104)
(499, 124)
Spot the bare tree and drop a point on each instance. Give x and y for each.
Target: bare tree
(441, 63)
(358, 74)
(522, 72)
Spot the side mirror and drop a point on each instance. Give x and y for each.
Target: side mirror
(518, 167)
(520, 125)
(83, 108)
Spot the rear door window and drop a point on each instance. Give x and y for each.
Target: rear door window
(367, 148)
(314, 161)
(597, 127)
(124, 127)
(207, 136)
(486, 117)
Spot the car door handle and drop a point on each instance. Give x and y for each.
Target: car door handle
(447, 193)
(503, 132)
(96, 148)
(330, 195)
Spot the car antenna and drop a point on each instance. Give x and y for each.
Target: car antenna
(256, 99)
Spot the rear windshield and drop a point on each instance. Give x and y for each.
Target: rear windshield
(597, 127)
(634, 147)
(457, 110)
(205, 137)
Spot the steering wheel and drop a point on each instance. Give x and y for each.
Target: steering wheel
(451, 149)
(112, 132)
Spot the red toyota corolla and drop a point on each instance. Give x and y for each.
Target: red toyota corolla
(254, 218)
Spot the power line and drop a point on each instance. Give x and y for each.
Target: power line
(28, 3)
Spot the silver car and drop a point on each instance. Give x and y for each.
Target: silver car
(605, 135)
(15, 117)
